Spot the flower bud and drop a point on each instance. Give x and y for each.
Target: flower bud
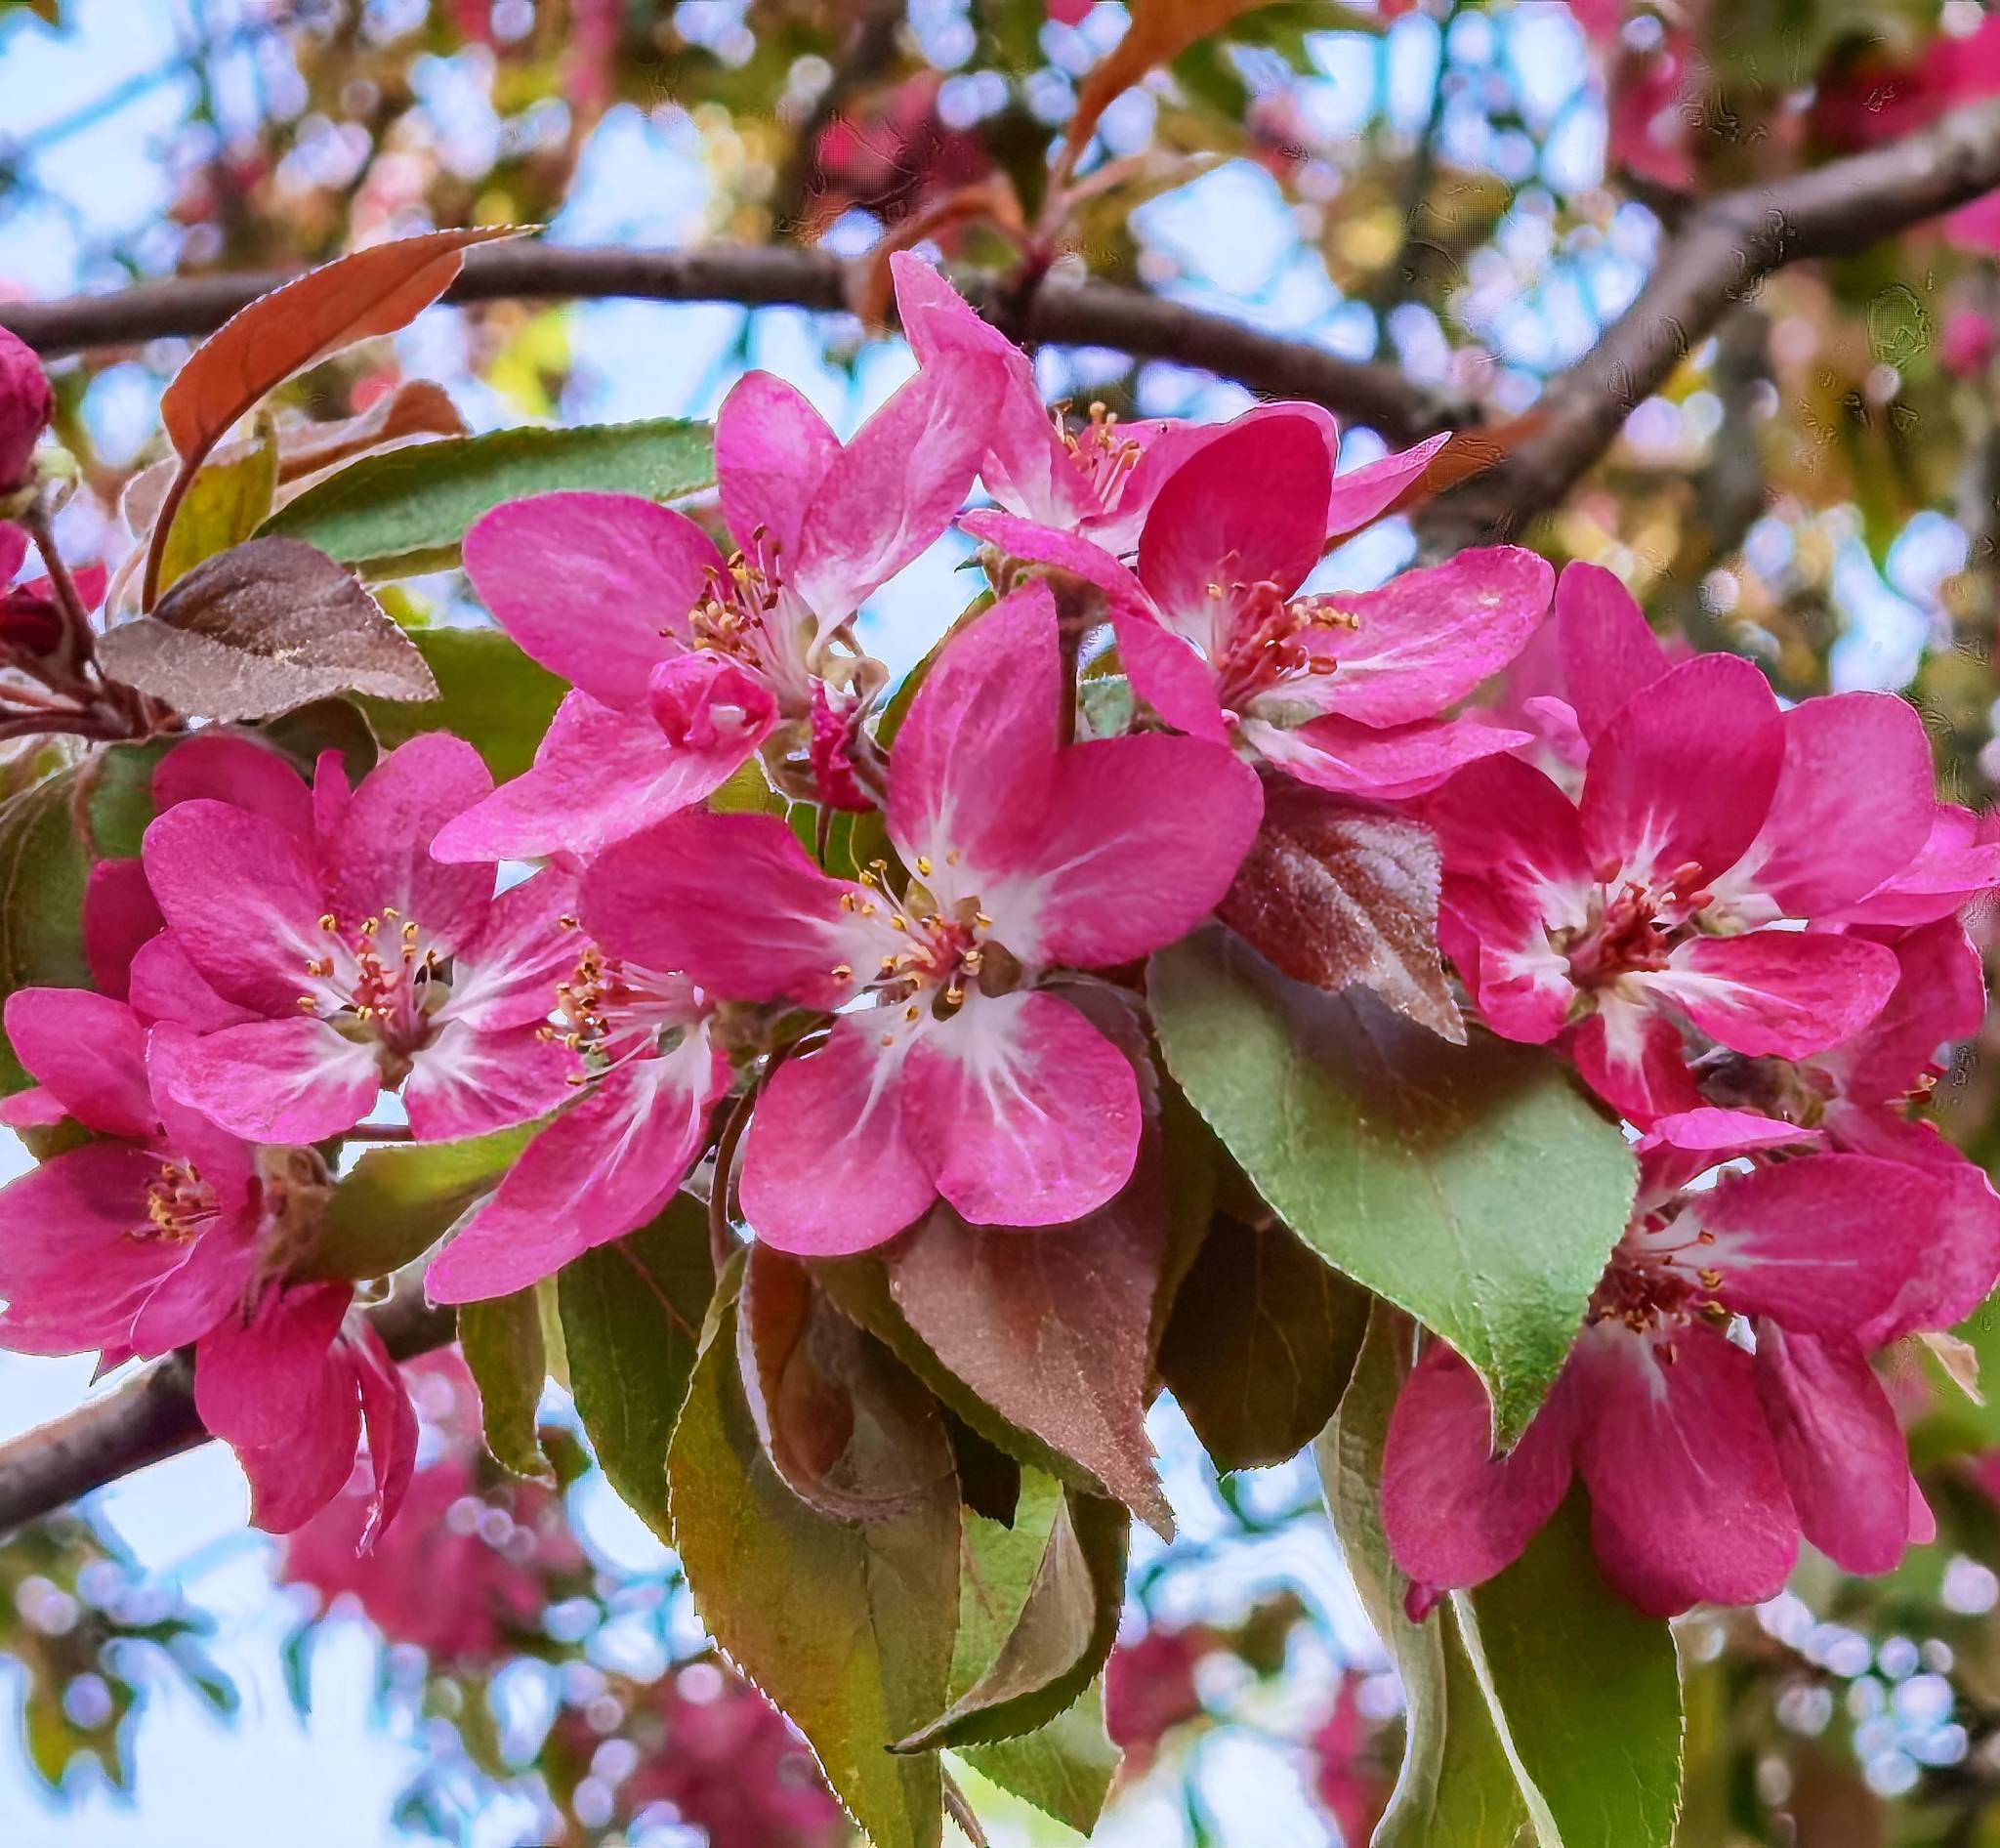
(25, 406)
(30, 624)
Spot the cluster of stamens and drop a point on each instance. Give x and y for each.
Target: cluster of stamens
(389, 967)
(947, 949)
(739, 594)
(1632, 926)
(178, 1202)
(1099, 452)
(605, 1012)
(1263, 636)
(1651, 1287)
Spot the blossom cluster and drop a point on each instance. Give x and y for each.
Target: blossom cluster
(1739, 922)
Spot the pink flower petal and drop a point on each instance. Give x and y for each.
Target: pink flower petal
(1390, 765)
(1248, 507)
(1722, 1132)
(1017, 538)
(733, 901)
(1819, 1244)
(206, 1287)
(242, 897)
(1685, 1483)
(1955, 866)
(282, 1081)
(1141, 839)
(89, 1053)
(1023, 1113)
(1368, 492)
(1169, 674)
(1456, 1514)
(1838, 1446)
(597, 1172)
(1633, 1059)
(1853, 805)
(381, 855)
(1941, 997)
(506, 975)
(119, 915)
(772, 452)
(1686, 771)
(894, 490)
(600, 776)
(1607, 650)
(592, 586)
(468, 1081)
(1427, 638)
(390, 1423)
(75, 1258)
(828, 1165)
(1782, 992)
(976, 759)
(164, 985)
(229, 767)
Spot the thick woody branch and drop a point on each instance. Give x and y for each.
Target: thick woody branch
(1719, 255)
(152, 1418)
(1066, 314)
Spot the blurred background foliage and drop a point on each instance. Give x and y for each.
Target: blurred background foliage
(1469, 194)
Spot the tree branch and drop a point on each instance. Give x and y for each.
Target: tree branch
(1718, 257)
(1066, 314)
(152, 1416)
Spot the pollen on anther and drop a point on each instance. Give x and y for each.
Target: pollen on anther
(924, 868)
(567, 922)
(841, 972)
(327, 922)
(912, 1012)
(307, 1003)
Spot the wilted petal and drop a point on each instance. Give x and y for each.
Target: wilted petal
(592, 586)
(1023, 1113)
(1456, 1514)
(828, 1165)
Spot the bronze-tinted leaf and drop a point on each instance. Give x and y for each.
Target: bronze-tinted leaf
(356, 297)
(1262, 1339)
(847, 1426)
(1338, 894)
(1052, 1327)
(261, 629)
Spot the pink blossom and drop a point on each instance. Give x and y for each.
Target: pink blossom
(1351, 1772)
(351, 959)
(291, 1388)
(1343, 689)
(684, 662)
(612, 1159)
(1100, 481)
(1706, 1456)
(952, 1067)
(26, 404)
(1709, 826)
(143, 1238)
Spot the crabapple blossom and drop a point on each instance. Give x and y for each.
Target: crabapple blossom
(951, 1065)
(1708, 826)
(27, 403)
(686, 662)
(349, 959)
(1342, 690)
(1706, 1458)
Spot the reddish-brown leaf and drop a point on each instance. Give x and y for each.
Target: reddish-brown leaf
(845, 1425)
(259, 629)
(1052, 1327)
(1469, 452)
(356, 297)
(1338, 895)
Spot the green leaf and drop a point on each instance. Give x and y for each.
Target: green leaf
(502, 1343)
(1474, 1186)
(1455, 1785)
(1260, 1343)
(489, 694)
(848, 1629)
(406, 512)
(1065, 1767)
(224, 505)
(117, 795)
(395, 1203)
(632, 1314)
(1586, 1692)
(44, 869)
(1042, 1645)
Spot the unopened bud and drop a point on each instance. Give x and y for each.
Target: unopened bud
(30, 624)
(26, 404)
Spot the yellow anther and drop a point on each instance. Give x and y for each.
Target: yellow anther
(983, 920)
(370, 925)
(912, 1012)
(841, 972)
(327, 922)
(898, 922)
(567, 922)
(1711, 1279)
(924, 865)
(307, 1004)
